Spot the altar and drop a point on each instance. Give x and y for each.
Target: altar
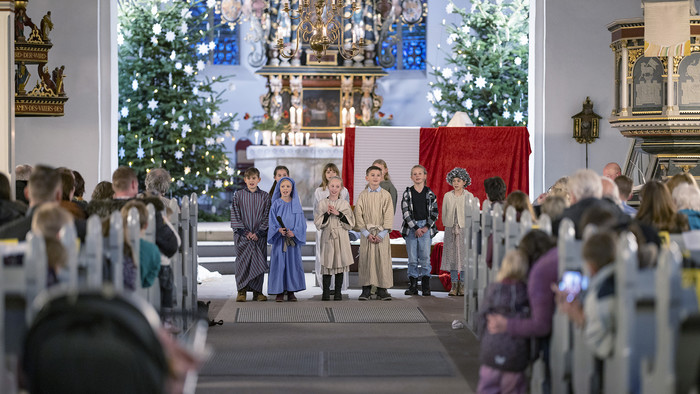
(305, 165)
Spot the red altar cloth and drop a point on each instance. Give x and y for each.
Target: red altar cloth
(483, 151)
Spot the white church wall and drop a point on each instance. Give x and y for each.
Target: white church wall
(84, 138)
(578, 63)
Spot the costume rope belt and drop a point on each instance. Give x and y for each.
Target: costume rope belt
(288, 241)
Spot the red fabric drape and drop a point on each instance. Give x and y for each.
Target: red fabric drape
(349, 161)
(483, 151)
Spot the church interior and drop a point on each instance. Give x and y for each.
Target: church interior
(517, 178)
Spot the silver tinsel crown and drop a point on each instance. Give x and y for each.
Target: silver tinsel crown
(461, 173)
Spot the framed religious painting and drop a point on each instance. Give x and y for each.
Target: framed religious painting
(321, 109)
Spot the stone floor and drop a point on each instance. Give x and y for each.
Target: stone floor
(311, 346)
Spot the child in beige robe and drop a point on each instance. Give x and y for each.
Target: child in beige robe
(374, 216)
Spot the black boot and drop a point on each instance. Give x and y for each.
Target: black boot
(338, 296)
(412, 286)
(326, 288)
(382, 294)
(365, 293)
(425, 283)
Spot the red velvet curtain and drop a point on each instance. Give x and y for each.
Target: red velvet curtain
(349, 161)
(483, 151)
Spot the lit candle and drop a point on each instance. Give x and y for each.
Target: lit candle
(334, 139)
(344, 117)
(256, 137)
(274, 138)
(308, 135)
(299, 113)
(283, 137)
(352, 116)
(292, 115)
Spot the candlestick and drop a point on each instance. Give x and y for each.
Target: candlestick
(292, 115)
(344, 117)
(308, 135)
(256, 137)
(352, 116)
(342, 138)
(334, 138)
(292, 140)
(299, 113)
(283, 137)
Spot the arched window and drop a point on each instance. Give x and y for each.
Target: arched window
(409, 46)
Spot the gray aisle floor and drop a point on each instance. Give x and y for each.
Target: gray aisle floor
(311, 346)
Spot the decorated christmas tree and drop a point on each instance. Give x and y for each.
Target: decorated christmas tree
(168, 115)
(486, 70)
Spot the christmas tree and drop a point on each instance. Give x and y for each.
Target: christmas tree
(169, 116)
(486, 71)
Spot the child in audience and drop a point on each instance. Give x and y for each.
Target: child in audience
(453, 218)
(420, 212)
(373, 218)
(386, 182)
(280, 172)
(504, 357)
(250, 211)
(330, 170)
(287, 234)
(334, 218)
(149, 255)
(47, 222)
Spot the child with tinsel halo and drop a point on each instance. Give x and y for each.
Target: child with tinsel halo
(453, 218)
(334, 218)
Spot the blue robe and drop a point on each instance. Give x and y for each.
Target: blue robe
(286, 269)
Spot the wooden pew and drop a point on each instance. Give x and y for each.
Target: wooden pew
(194, 212)
(176, 265)
(499, 232)
(152, 292)
(69, 239)
(116, 250)
(471, 284)
(92, 253)
(184, 227)
(482, 268)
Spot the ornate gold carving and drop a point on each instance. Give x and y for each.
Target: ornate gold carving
(676, 63)
(633, 55)
(664, 63)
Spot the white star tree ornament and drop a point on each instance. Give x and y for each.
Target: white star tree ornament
(236, 125)
(157, 28)
(134, 84)
(480, 82)
(215, 119)
(124, 112)
(170, 36)
(188, 70)
(229, 171)
(517, 116)
(218, 183)
(200, 65)
(152, 104)
(178, 155)
(186, 128)
(506, 114)
(152, 122)
(122, 153)
(202, 49)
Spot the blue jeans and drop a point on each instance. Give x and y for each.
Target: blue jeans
(418, 250)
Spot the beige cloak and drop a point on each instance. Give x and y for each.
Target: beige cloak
(374, 213)
(336, 256)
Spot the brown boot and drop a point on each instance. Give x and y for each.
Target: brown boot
(291, 297)
(453, 290)
(257, 296)
(460, 289)
(241, 296)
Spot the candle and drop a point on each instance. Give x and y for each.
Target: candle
(352, 116)
(344, 117)
(334, 139)
(292, 139)
(292, 115)
(308, 135)
(256, 137)
(299, 113)
(283, 138)
(274, 138)
(342, 138)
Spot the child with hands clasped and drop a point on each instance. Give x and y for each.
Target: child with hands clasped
(420, 212)
(453, 218)
(503, 357)
(374, 217)
(287, 234)
(334, 218)
(330, 170)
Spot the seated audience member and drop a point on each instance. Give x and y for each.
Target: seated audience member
(678, 179)
(559, 188)
(125, 185)
(553, 206)
(158, 182)
(102, 191)
(68, 189)
(9, 210)
(149, 256)
(687, 200)
(612, 171)
(495, 189)
(47, 222)
(585, 190)
(658, 210)
(610, 191)
(520, 202)
(624, 185)
(79, 190)
(44, 186)
(541, 253)
(22, 173)
(597, 313)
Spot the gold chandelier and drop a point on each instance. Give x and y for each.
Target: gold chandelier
(320, 25)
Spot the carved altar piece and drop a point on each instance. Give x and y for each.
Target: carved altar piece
(48, 96)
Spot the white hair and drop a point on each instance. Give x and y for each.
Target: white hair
(610, 190)
(686, 196)
(585, 184)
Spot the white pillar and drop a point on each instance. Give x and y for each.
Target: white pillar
(7, 89)
(670, 97)
(624, 87)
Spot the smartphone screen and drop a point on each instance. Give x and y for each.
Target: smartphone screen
(572, 282)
